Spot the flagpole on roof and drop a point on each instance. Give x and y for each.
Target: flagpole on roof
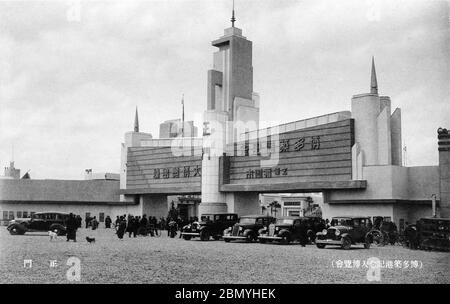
(182, 116)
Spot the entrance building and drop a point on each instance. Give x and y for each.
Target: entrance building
(354, 158)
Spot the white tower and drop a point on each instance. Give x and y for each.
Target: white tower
(232, 109)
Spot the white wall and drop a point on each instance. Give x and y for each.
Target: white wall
(78, 209)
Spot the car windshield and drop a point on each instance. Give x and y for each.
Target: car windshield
(285, 221)
(341, 222)
(247, 220)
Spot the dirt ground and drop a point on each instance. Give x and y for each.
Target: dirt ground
(165, 260)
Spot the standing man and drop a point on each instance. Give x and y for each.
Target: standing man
(87, 220)
(94, 223)
(108, 222)
(79, 220)
(72, 228)
(143, 225)
(122, 226)
(130, 225)
(303, 231)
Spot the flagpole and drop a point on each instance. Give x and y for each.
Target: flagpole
(182, 116)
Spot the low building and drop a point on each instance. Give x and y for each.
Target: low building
(99, 197)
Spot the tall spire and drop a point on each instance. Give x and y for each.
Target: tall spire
(373, 79)
(136, 121)
(233, 19)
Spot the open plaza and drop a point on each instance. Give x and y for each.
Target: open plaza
(162, 259)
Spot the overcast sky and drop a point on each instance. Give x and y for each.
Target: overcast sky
(69, 83)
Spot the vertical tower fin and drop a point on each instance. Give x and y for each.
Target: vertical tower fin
(136, 121)
(373, 79)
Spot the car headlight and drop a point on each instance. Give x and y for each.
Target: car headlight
(337, 232)
(324, 231)
(240, 228)
(277, 228)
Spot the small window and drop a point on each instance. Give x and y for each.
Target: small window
(5, 215)
(356, 222)
(25, 213)
(101, 217)
(19, 214)
(32, 213)
(11, 215)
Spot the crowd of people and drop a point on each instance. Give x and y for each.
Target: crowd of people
(137, 225)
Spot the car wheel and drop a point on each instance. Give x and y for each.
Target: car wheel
(367, 243)
(286, 238)
(216, 237)
(262, 241)
(204, 235)
(250, 237)
(187, 237)
(377, 237)
(346, 243)
(320, 246)
(16, 230)
(226, 240)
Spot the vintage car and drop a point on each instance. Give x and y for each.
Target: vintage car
(247, 228)
(210, 225)
(288, 228)
(384, 231)
(346, 231)
(434, 233)
(40, 221)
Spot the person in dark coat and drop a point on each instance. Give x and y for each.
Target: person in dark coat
(130, 225)
(79, 220)
(94, 223)
(136, 224)
(122, 226)
(87, 220)
(71, 226)
(143, 225)
(303, 232)
(108, 222)
(412, 236)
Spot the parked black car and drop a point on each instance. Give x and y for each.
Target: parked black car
(40, 221)
(247, 228)
(346, 231)
(292, 228)
(434, 233)
(210, 225)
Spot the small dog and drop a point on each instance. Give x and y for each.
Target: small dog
(90, 240)
(53, 235)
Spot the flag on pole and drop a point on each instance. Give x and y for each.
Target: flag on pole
(182, 116)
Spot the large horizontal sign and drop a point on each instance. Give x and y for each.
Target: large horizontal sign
(319, 155)
(158, 170)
